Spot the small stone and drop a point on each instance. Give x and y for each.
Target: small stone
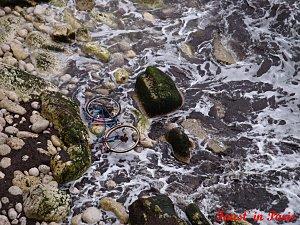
(109, 204)
(2, 121)
(2, 13)
(92, 215)
(18, 51)
(5, 47)
(15, 222)
(7, 9)
(121, 75)
(4, 149)
(40, 9)
(55, 141)
(117, 59)
(34, 172)
(12, 107)
(124, 46)
(9, 119)
(40, 126)
(4, 200)
(23, 33)
(23, 220)
(77, 220)
(130, 54)
(44, 169)
(51, 149)
(3, 138)
(149, 17)
(5, 162)
(15, 143)
(18, 207)
(12, 214)
(11, 130)
(110, 184)
(4, 220)
(65, 78)
(15, 190)
(25, 158)
(9, 60)
(29, 67)
(26, 134)
(2, 175)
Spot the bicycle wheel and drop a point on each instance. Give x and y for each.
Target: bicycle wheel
(122, 138)
(109, 108)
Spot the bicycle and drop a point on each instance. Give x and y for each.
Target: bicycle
(118, 138)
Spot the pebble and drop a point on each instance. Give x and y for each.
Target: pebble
(12, 214)
(7, 9)
(44, 169)
(55, 141)
(4, 220)
(117, 59)
(130, 54)
(25, 158)
(23, 220)
(65, 78)
(15, 222)
(4, 149)
(76, 220)
(5, 162)
(9, 119)
(12, 107)
(11, 130)
(92, 215)
(2, 121)
(26, 134)
(23, 33)
(148, 17)
(9, 60)
(18, 51)
(19, 207)
(40, 126)
(1, 52)
(2, 175)
(34, 172)
(124, 46)
(4, 200)
(39, 9)
(2, 12)
(15, 190)
(110, 184)
(15, 143)
(29, 67)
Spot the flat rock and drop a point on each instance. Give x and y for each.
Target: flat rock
(12, 107)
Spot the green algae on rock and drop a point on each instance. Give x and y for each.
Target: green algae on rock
(157, 92)
(59, 110)
(180, 144)
(94, 49)
(46, 203)
(158, 209)
(195, 216)
(9, 26)
(151, 3)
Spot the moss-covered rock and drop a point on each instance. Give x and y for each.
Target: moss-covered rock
(157, 92)
(195, 216)
(62, 112)
(158, 209)
(9, 26)
(94, 49)
(39, 40)
(151, 3)
(63, 33)
(180, 143)
(46, 203)
(85, 5)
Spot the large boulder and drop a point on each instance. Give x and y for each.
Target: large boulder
(46, 203)
(180, 144)
(158, 209)
(75, 156)
(195, 216)
(157, 92)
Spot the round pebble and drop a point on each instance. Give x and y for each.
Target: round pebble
(2, 12)
(23, 33)
(34, 172)
(19, 207)
(12, 214)
(5, 162)
(15, 190)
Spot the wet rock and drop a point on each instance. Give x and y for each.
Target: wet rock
(121, 75)
(95, 50)
(180, 144)
(45, 61)
(83, 34)
(221, 53)
(18, 51)
(107, 18)
(110, 184)
(195, 216)
(63, 33)
(117, 208)
(15, 143)
(91, 215)
(85, 5)
(158, 209)
(4, 220)
(4, 149)
(148, 17)
(46, 203)
(157, 92)
(187, 50)
(5, 162)
(77, 220)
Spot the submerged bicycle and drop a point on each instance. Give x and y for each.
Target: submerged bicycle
(119, 138)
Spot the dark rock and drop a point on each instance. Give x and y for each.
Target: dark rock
(180, 143)
(85, 5)
(195, 216)
(157, 92)
(158, 209)
(21, 2)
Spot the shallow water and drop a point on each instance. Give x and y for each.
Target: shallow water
(260, 170)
